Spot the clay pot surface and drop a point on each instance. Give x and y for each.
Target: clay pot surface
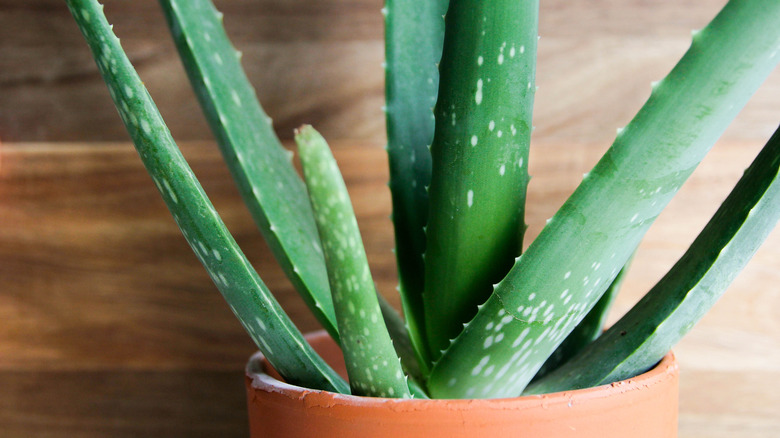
(642, 407)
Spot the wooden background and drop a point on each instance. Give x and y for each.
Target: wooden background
(108, 325)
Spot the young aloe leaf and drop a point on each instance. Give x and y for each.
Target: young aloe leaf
(590, 328)
(373, 367)
(555, 283)
(646, 333)
(242, 288)
(261, 167)
(414, 32)
(480, 156)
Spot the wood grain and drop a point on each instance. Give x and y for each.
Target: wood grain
(115, 282)
(320, 61)
(123, 403)
(103, 304)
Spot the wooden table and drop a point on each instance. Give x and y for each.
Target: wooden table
(109, 327)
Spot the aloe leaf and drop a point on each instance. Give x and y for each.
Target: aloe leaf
(590, 328)
(402, 344)
(606, 217)
(261, 167)
(679, 300)
(401, 340)
(247, 295)
(480, 158)
(372, 365)
(414, 32)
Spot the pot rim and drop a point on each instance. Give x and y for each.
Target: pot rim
(257, 372)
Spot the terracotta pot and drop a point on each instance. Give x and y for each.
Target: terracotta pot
(645, 406)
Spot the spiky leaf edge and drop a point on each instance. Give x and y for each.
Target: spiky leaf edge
(691, 287)
(260, 165)
(414, 33)
(246, 294)
(480, 159)
(636, 178)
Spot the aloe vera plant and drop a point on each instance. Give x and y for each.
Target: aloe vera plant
(482, 319)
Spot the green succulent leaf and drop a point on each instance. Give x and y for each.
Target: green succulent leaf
(646, 333)
(480, 159)
(247, 295)
(261, 167)
(373, 367)
(578, 254)
(590, 328)
(414, 32)
(401, 340)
